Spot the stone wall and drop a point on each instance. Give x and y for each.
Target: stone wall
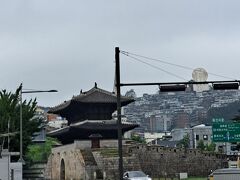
(108, 162)
(160, 161)
(73, 161)
(83, 163)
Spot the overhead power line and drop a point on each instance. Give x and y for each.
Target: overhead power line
(172, 64)
(153, 66)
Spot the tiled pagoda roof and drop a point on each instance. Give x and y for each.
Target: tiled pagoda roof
(94, 95)
(82, 130)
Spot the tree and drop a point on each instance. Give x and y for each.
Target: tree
(185, 142)
(211, 147)
(10, 113)
(138, 139)
(208, 147)
(201, 145)
(40, 152)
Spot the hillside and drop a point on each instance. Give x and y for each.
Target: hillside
(165, 111)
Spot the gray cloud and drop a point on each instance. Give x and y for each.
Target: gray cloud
(68, 45)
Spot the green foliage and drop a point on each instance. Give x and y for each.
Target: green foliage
(40, 152)
(211, 147)
(185, 142)
(201, 145)
(10, 111)
(208, 147)
(138, 139)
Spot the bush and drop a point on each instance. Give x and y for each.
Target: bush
(40, 152)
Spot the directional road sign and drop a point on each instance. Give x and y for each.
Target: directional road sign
(226, 132)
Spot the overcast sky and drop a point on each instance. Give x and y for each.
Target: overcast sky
(68, 45)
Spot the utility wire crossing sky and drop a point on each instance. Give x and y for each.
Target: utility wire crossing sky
(69, 45)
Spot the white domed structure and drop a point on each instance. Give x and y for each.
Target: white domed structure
(200, 75)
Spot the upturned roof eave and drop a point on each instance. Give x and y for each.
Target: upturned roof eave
(57, 109)
(90, 125)
(64, 106)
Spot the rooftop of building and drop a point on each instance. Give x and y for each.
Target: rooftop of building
(95, 95)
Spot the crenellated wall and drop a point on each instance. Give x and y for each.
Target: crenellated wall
(83, 163)
(160, 161)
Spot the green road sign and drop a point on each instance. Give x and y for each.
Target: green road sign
(226, 132)
(218, 120)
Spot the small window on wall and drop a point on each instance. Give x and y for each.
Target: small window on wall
(205, 137)
(197, 137)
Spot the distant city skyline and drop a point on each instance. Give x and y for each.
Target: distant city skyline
(69, 45)
(180, 110)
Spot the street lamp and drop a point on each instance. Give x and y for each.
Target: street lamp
(21, 133)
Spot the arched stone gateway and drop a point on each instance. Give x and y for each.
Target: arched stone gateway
(62, 170)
